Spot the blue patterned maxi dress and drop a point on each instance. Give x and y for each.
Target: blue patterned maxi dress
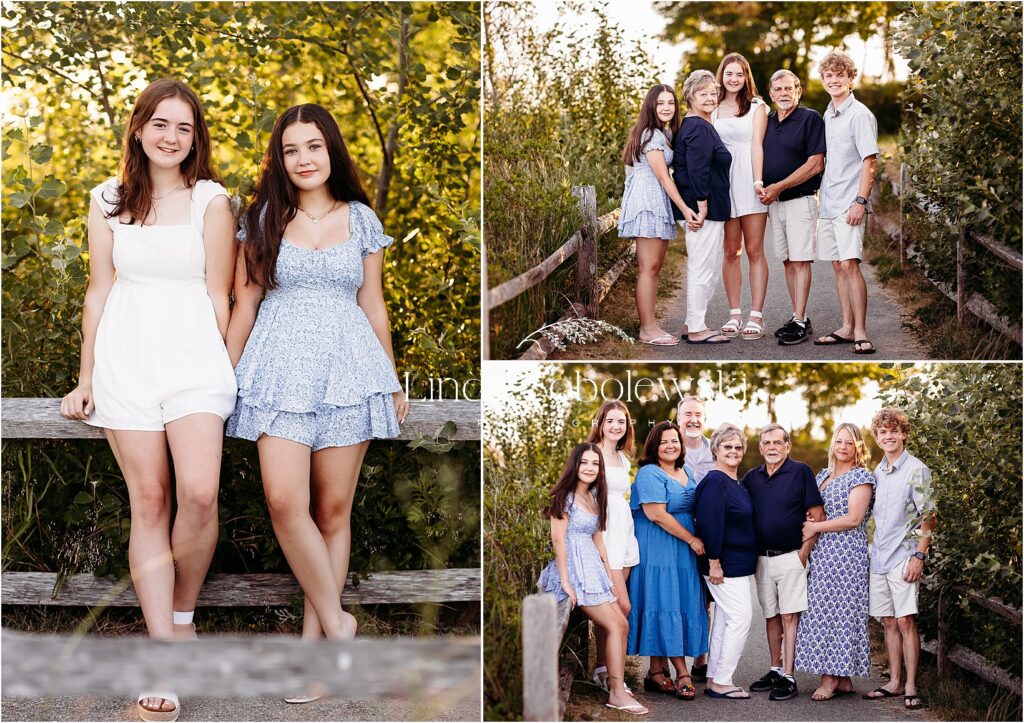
(313, 370)
(646, 208)
(586, 571)
(832, 637)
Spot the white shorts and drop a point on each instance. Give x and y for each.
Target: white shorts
(791, 225)
(839, 241)
(781, 583)
(891, 596)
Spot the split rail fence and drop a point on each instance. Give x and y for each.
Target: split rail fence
(231, 665)
(590, 290)
(556, 641)
(974, 302)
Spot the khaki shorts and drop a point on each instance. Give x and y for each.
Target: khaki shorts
(791, 225)
(839, 241)
(891, 596)
(781, 583)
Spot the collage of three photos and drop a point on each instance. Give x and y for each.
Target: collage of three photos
(569, 360)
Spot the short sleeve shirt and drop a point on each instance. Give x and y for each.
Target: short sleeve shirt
(781, 501)
(851, 135)
(787, 146)
(901, 499)
(700, 460)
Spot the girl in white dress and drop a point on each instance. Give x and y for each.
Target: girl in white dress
(741, 120)
(155, 372)
(613, 433)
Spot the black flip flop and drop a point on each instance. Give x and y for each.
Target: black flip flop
(722, 339)
(872, 350)
(836, 340)
(883, 693)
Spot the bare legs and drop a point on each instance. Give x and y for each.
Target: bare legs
(798, 282)
(650, 255)
(745, 232)
(609, 617)
(316, 545)
(782, 629)
(853, 299)
(154, 548)
(619, 578)
(902, 645)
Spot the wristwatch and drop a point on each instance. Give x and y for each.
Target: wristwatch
(861, 200)
(922, 556)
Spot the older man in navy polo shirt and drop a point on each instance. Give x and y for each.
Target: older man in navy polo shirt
(794, 157)
(784, 493)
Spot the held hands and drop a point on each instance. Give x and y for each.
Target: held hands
(401, 405)
(768, 195)
(855, 215)
(693, 221)
(914, 569)
(78, 404)
(697, 545)
(715, 574)
(810, 529)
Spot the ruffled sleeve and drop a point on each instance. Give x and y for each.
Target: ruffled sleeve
(650, 486)
(371, 233)
(656, 141)
(202, 194)
(106, 196)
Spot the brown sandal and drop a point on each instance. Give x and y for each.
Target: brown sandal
(685, 691)
(665, 686)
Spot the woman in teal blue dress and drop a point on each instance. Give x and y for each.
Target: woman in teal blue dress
(667, 621)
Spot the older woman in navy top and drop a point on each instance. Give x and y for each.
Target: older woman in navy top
(725, 522)
(667, 620)
(700, 168)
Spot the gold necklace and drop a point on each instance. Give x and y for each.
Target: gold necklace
(317, 219)
(160, 198)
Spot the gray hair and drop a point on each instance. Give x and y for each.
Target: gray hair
(771, 428)
(690, 398)
(696, 81)
(782, 74)
(727, 431)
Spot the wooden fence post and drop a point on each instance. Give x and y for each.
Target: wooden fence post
(961, 276)
(903, 221)
(485, 308)
(540, 658)
(586, 256)
(941, 644)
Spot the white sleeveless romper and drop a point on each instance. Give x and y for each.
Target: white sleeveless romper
(619, 540)
(159, 354)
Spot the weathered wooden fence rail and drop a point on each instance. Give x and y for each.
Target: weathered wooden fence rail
(555, 643)
(974, 302)
(946, 652)
(583, 245)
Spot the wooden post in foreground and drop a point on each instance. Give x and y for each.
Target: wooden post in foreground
(942, 643)
(586, 256)
(961, 276)
(541, 639)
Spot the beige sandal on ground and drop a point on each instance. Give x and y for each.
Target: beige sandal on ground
(754, 328)
(147, 714)
(732, 327)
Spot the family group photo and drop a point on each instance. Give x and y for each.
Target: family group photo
(765, 180)
(238, 245)
(707, 537)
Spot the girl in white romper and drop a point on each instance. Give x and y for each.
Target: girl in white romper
(155, 372)
(741, 120)
(613, 433)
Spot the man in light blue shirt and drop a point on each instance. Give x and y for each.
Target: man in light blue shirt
(904, 521)
(851, 157)
(690, 418)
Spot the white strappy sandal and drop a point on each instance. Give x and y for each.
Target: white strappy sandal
(732, 327)
(754, 328)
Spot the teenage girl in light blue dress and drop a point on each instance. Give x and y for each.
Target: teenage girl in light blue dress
(317, 378)
(578, 510)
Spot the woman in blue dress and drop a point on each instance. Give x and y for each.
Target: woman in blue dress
(667, 621)
(647, 202)
(578, 510)
(832, 639)
(317, 377)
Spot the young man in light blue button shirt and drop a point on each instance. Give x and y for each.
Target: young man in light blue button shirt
(904, 521)
(851, 157)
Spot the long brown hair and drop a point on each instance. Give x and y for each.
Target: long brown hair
(749, 90)
(647, 124)
(275, 200)
(625, 444)
(566, 485)
(135, 193)
(654, 439)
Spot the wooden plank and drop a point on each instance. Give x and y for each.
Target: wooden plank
(995, 604)
(1004, 252)
(405, 586)
(27, 418)
(540, 658)
(235, 666)
(586, 256)
(485, 309)
(527, 280)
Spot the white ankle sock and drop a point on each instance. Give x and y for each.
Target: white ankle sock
(183, 618)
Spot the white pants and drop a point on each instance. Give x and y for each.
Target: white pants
(734, 607)
(705, 250)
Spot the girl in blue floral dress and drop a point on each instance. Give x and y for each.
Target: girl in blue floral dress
(578, 509)
(317, 377)
(832, 638)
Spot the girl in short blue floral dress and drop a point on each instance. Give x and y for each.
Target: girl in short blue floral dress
(317, 378)
(578, 509)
